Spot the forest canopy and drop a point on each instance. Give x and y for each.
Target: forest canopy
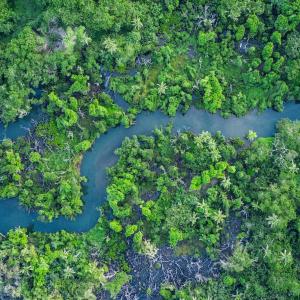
(231, 56)
(185, 215)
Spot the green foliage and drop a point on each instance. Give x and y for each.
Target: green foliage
(232, 56)
(267, 51)
(7, 18)
(253, 23)
(171, 4)
(54, 42)
(282, 23)
(179, 211)
(196, 183)
(213, 96)
(239, 261)
(205, 37)
(83, 146)
(10, 169)
(228, 280)
(264, 265)
(240, 33)
(45, 171)
(115, 226)
(175, 236)
(130, 230)
(116, 284)
(21, 68)
(47, 266)
(34, 157)
(276, 37)
(80, 85)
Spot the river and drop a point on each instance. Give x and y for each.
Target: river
(101, 156)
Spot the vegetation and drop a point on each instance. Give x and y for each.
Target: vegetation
(183, 191)
(156, 191)
(179, 49)
(42, 169)
(157, 197)
(196, 197)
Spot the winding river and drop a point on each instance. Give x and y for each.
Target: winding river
(102, 155)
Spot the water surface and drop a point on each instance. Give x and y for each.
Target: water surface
(102, 155)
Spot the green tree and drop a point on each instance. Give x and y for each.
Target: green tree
(240, 32)
(116, 226)
(213, 93)
(276, 37)
(7, 18)
(130, 230)
(175, 236)
(83, 146)
(282, 24)
(253, 23)
(267, 51)
(205, 37)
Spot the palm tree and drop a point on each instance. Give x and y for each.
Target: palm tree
(194, 218)
(162, 87)
(252, 135)
(205, 208)
(149, 249)
(69, 272)
(286, 257)
(137, 23)
(273, 220)
(267, 251)
(110, 45)
(219, 217)
(293, 168)
(226, 183)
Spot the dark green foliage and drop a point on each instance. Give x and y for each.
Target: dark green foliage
(45, 267)
(230, 56)
(44, 172)
(155, 185)
(266, 265)
(174, 45)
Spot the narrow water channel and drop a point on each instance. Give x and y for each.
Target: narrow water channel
(102, 155)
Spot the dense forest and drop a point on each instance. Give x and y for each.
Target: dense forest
(188, 215)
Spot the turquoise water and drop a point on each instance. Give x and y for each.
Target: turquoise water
(102, 155)
(21, 126)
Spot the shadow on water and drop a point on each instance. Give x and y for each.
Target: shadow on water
(102, 155)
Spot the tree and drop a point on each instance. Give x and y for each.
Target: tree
(267, 51)
(22, 67)
(276, 37)
(293, 45)
(114, 286)
(196, 183)
(282, 24)
(75, 38)
(162, 87)
(239, 261)
(175, 236)
(252, 135)
(253, 23)
(240, 32)
(137, 23)
(80, 85)
(7, 18)
(213, 96)
(130, 230)
(35, 157)
(171, 4)
(110, 45)
(83, 146)
(205, 37)
(116, 226)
